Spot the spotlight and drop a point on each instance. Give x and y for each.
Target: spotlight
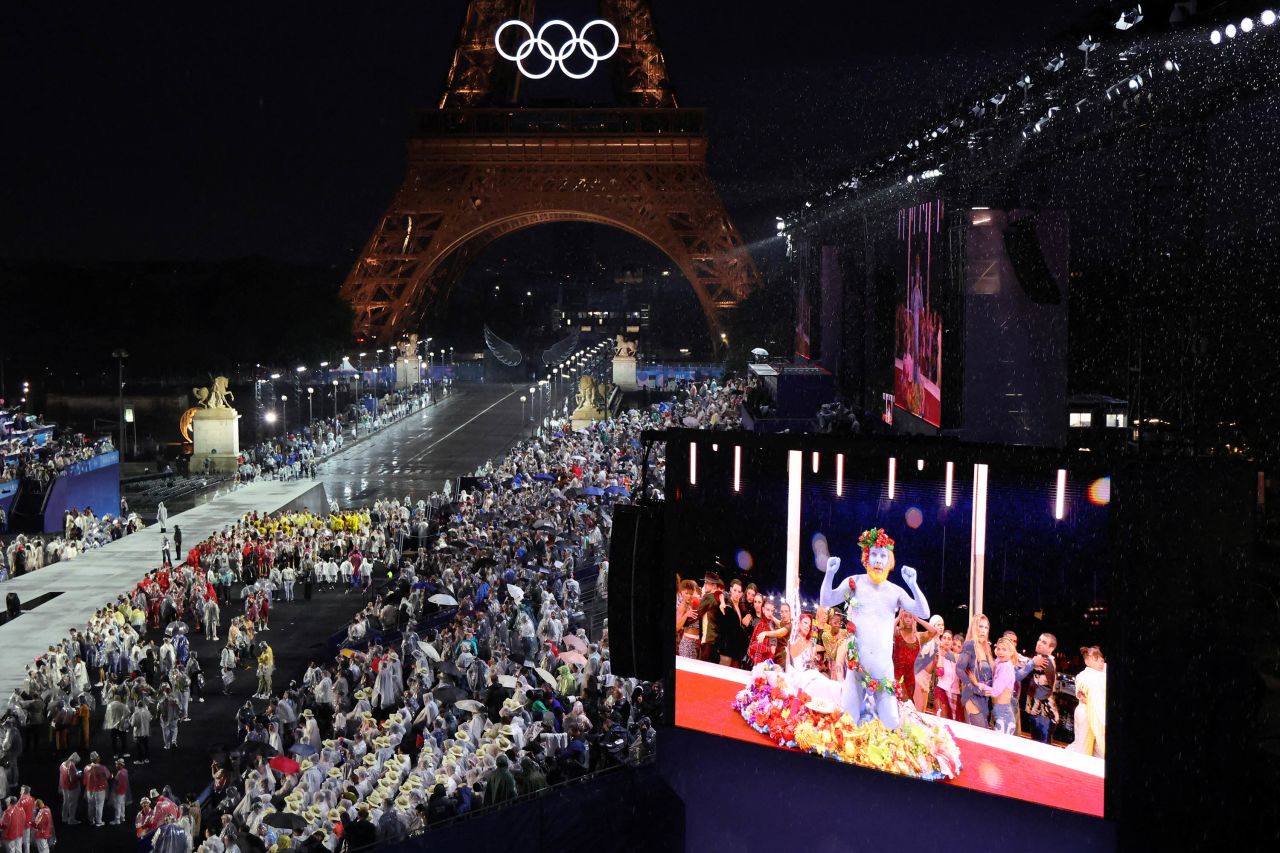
(998, 98)
(1055, 63)
(1246, 26)
(1024, 83)
(1215, 37)
(1135, 82)
(1268, 18)
(1230, 31)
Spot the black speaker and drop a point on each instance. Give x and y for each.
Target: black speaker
(12, 605)
(1023, 248)
(637, 629)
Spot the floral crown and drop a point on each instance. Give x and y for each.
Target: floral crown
(874, 538)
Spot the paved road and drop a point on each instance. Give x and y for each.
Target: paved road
(414, 457)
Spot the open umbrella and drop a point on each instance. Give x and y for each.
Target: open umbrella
(442, 599)
(544, 525)
(285, 820)
(484, 563)
(615, 490)
(573, 657)
(760, 352)
(470, 705)
(420, 585)
(515, 592)
(575, 642)
(545, 676)
(508, 681)
(447, 695)
(450, 669)
(303, 750)
(256, 747)
(429, 650)
(284, 764)
(544, 477)
(593, 491)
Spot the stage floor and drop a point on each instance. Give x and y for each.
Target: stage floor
(997, 764)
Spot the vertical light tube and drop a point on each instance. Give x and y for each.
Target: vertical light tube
(839, 474)
(978, 544)
(893, 476)
(737, 467)
(693, 463)
(951, 473)
(815, 461)
(1060, 502)
(795, 472)
(919, 464)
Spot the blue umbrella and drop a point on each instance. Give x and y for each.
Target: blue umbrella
(420, 585)
(615, 490)
(544, 477)
(594, 491)
(303, 750)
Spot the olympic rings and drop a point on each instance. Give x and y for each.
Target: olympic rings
(554, 56)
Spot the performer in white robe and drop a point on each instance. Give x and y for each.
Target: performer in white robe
(386, 691)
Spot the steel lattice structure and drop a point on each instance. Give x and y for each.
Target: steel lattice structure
(480, 168)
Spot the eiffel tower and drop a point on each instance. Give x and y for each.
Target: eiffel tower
(480, 167)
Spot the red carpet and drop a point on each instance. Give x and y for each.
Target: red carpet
(703, 704)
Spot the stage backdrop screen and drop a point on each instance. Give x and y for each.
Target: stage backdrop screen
(917, 361)
(772, 648)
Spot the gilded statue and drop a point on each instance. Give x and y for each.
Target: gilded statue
(215, 396)
(409, 348)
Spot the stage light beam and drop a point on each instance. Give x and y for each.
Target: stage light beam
(893, 476)
(737, 467)
(1060, 500)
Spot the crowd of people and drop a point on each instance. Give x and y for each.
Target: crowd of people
(961, 676)
(474, 672)
(40, 462)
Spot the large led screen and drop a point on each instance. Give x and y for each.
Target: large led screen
(940, 618)
(917, 362)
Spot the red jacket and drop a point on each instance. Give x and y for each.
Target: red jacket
(68, 778)
(42, 824)
(28, 804)
(14, 823)
(120, 784)
(96, 778)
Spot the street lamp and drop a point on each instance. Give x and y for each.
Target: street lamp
(310, 413)
(335, 406)
(522, 421)
(284, 414)
(119, 355)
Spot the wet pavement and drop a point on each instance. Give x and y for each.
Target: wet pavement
(414, 457)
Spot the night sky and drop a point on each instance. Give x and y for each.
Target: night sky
(145, 131)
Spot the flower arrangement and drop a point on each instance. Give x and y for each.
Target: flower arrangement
(919, 747)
